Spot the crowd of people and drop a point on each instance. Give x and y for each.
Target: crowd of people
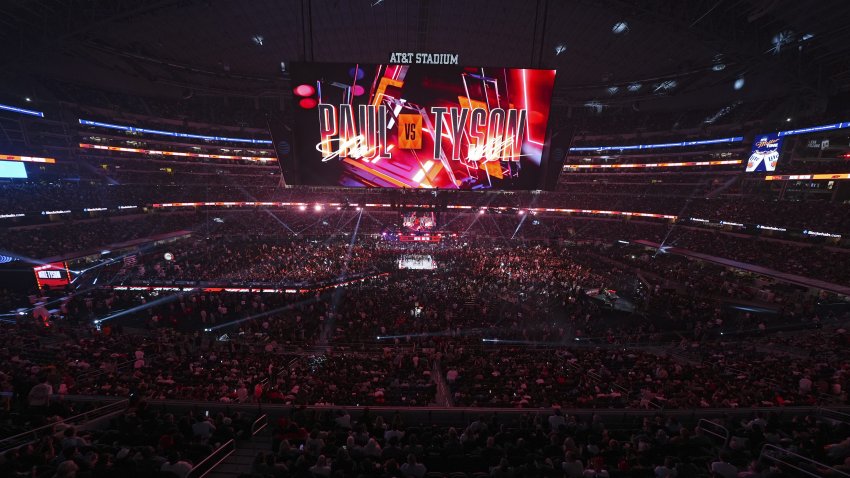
(553, 444)
(486, 303)
(150, 441)
(243, 247)
(241, 260)
(68, 239)
(498, 323)
(729, 376)
(142, 441)
(664, 196)
(805, 260)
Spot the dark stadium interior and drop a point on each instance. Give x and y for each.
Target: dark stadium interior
(425, 238)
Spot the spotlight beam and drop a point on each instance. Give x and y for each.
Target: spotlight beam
(521, 222)
(265, 314)
(162, 300)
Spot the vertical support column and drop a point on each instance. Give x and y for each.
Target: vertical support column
(539, 38)
(307, 30)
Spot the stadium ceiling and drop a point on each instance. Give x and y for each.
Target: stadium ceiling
(608, 50)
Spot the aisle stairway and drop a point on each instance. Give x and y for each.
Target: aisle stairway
(443, 397)
(239, 461)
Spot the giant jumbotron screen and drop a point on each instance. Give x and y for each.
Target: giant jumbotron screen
(362, 125)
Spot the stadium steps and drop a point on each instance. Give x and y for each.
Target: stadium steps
(444, 395)
(240, 461)
(726, 185)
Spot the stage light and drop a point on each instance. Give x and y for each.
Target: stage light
(739, 83)
(787, 120)
(634, 87)
(258, 39)
(666, 85)
(308, 103)
(781, 39)
(28, 99)
(356, 72)
(304, 90)
(359, 208)
(619, 28)
(560, 48)
(594, 105)
(520, 212)
(302, 207)
(482, 211)
(317, 207)
(718, 63)
(612, 90)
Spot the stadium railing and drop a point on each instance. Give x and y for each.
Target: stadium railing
(209, 463)
(833, 415)
(119, 368)
(457, 413)
(714, 429)
(36, 434)
(799, 463)
(259, 424)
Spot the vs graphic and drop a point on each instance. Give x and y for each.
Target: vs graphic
(496, 135)
(410, 132)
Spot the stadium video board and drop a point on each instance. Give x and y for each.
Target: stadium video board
(765, 153)
(414, 221)
(11, 169)
(375, 125)
(53, 275)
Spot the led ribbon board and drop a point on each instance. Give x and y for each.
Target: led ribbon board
(814, 129)
(797, 177)
(133, 129)
(303, 207)
(23, 111)
(680, 144)
(651, 165)
(175, 153)
(27, 159)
